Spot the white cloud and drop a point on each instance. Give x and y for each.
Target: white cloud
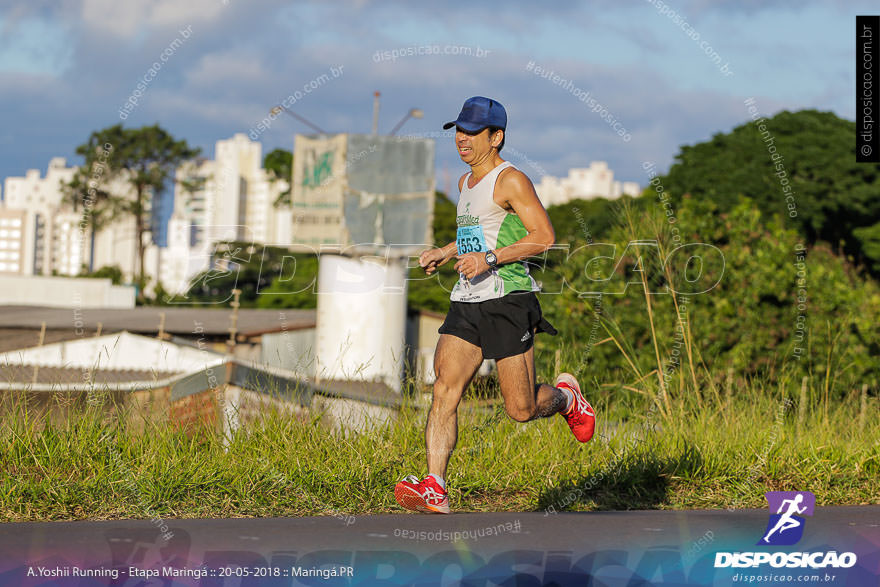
(228, 67)
(171, 104)
(130, 17)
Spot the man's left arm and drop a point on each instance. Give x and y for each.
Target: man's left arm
(519, 195)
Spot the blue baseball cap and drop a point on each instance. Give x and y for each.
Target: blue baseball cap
(479, 113)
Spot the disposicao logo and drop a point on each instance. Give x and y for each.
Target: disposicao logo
(785, 528)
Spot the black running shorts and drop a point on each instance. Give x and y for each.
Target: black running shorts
(502, 327)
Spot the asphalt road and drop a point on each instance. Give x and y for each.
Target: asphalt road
(535, 548)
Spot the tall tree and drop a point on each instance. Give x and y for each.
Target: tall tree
(279, 164)
(140, 159)
(799, 165)
(88, 193)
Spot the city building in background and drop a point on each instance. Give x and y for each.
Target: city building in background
(52, 239)
(236, 198)
(12, 241)
(587, 183)
(228, 198)
(37, 201)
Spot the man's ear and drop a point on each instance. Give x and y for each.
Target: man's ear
(499, 135)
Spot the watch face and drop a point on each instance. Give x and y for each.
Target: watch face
(491, 259)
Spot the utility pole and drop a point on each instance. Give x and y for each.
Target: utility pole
(233, 319)
(375, 113)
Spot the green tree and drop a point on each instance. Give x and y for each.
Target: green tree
(294, 285)
(279, 165)
(161, 296)
(250, 267)
(142, 160)
(831, 195)
(761, 305)
(444, 224)
(112, 272)
(581, 221)
(88, 193)
(869, 238)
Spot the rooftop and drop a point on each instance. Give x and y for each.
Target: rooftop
(179, 320)
(116, 354)
(61, 375)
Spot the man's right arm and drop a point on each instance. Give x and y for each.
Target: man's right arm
(433, 258)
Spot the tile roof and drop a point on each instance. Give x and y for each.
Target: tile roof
(63, 375)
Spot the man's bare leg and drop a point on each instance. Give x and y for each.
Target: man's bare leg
(523, 400)
(455, 363)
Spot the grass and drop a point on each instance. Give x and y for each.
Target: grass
(93, 468)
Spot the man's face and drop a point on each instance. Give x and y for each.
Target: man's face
(474, 147)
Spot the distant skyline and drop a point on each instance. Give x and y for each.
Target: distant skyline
(648, 73)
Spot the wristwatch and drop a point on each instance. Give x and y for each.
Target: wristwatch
(491, 259)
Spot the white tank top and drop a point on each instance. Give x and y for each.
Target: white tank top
(483, 225)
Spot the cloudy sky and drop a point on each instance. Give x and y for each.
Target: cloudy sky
(68, 68)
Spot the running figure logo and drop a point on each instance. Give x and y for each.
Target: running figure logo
(786, 526)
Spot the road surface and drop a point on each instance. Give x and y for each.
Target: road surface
(534, 548)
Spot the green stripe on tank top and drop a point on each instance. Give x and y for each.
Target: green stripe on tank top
(513, 275)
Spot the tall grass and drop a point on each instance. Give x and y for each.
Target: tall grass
(92, 467)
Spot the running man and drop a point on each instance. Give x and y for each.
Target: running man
(494, 312)
(787, 521)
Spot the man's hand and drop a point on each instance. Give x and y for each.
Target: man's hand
(431, 259)
(471, 264)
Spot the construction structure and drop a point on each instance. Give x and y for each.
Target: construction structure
(365, 204)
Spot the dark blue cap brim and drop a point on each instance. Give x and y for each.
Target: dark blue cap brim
(468, 126)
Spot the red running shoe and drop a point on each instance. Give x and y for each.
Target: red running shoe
(580, 416)
(422, 496)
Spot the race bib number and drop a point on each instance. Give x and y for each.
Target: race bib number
(470, 239)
